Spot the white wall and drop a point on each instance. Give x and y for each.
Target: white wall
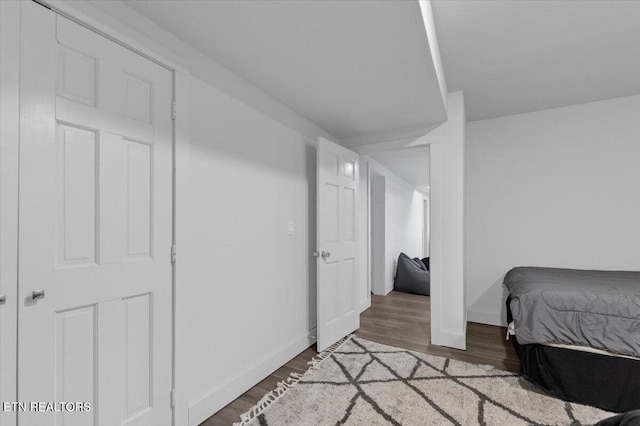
(448, 305)
(403, 216)
(559, 187)
(249, 285)
(404, 207)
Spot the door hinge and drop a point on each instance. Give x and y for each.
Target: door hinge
(173, 398)
(173, 253)
(173, 110)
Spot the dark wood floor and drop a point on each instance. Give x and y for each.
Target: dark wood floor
(398, 319)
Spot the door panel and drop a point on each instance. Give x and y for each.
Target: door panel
(75, 361)
(137, 365)
(139, 184)
(95, 227)
(337, 189)
(76, 196)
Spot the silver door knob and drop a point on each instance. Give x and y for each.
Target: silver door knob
(3, 299)
(326, 254)
(37, 294)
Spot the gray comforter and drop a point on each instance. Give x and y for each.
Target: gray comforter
(600, 309)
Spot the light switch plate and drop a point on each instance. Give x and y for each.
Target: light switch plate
(291, 227)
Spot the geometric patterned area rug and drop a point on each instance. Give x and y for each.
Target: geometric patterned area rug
(358, 382)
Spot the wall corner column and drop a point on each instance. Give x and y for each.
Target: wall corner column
(448, 307)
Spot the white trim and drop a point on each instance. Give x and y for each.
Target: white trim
(380, 249)
(426, 222)
(451, 340)
(366, 160)
(182, 156)
(10, 17)
(217, 398)
(365, 304)
(365, 236)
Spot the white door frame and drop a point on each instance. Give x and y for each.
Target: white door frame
(377, 261)
(9, 146)
(426, 232)
(365, 235)
(446, 229)
(9, 202)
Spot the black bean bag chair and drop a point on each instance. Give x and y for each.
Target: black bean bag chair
(426, 263)
(412, 276)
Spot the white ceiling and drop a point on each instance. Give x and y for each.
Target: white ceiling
(411, 164)
(351, 67)
(519, 56)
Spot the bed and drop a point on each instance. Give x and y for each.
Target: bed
(577, 333)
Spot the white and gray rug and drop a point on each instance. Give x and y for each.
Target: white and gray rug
(359, 382)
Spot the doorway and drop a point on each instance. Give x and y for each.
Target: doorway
(399, 220)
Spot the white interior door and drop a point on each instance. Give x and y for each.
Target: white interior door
(337, 210)
(95, 227)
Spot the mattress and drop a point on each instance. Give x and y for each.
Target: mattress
(581, 374)
(589, 349)
(598, 309)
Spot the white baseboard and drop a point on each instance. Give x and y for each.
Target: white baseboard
(448, 339)
(386, 291)
(365, 304)
(483, 317)
(217, 398)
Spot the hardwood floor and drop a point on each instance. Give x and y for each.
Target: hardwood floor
(398, 319)
(403, 320)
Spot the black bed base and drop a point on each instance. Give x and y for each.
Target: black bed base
(607, 382)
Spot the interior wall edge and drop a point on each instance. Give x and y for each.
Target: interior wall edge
(448, 286)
